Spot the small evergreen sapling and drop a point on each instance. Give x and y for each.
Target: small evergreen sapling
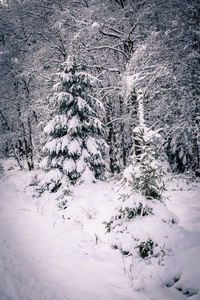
(140, 193)
(145, 172)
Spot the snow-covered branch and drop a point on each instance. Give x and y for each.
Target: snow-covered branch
(108, 47)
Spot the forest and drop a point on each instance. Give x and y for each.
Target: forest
(117, 47)
(99, 139)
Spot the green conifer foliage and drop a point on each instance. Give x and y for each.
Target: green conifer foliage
(145, 173)
(75, 142)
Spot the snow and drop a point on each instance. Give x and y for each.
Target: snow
(49, 254)
(49, 128)
(147, 133)
(53, 175)
(81, 161)
(95, 24)
(74, 124)
(65, 142)
(96, 122)
(82, 105)
(67, 77)
(69, 165)
(64, 96)
(140, 107)
(57, 86)
(74, 147)
(43, 164)
(87, 176)
(87, 77)
(92, 146)
(58, 121)
(51, 146)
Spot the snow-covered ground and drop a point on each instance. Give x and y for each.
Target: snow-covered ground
(48, 254)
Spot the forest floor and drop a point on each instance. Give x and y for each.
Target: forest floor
(47, 254)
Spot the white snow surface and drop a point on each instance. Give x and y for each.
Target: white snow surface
(47, 254)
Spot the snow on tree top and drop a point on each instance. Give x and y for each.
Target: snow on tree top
(147, 133)
(69, 63)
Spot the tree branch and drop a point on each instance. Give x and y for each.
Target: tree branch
(110, 48)
(109, 34)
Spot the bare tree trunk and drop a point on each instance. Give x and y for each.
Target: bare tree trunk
(30, 146)
(195, 95)
(123, 146)
(196, 165)
(112, 142)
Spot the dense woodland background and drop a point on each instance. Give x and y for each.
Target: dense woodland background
(126, 45)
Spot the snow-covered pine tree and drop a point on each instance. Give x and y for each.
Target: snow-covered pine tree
(75, 135)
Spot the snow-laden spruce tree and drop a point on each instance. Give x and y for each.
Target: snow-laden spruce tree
(74, 136)
(141, 221)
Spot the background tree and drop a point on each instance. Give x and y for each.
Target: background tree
(154, 45)
(27, 28)
(161, 65)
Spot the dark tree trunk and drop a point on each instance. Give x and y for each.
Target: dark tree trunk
(123, 146)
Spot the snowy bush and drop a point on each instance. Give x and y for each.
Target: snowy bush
(64, 194)
(52, 182)
(146, 248)
(49, 181)
(140, 227)
(126, 213)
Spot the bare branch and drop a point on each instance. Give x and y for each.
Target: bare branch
(6, 123)
(108, 47)
(117, 31)
(114, 70)
(60, 49)
(123, 120)
(109, 34)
